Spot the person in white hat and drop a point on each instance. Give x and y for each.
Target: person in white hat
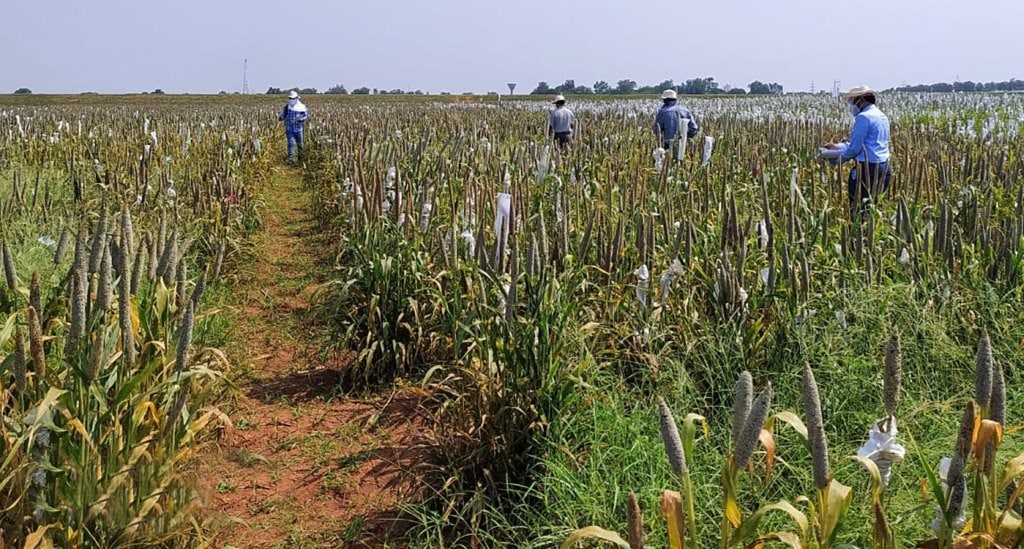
(672, 119)
(561, 121)
(294, 115)
(868, 144)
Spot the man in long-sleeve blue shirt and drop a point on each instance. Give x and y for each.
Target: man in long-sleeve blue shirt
(294, 114)
(868, 144)
(672, 119)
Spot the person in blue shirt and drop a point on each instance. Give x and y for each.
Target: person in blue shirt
(672, 120)
(868, 145)
(294, 115)
(560, 122)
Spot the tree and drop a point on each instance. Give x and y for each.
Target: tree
(541, 89)
(361, 91)
(967, 86)
(158, 91)
(582, 90)
(759, 88)
(308, 91)
(775, 88)
(567, 87)
(337, 89)
(22, 91)
(700, 86)
(666, 85)
(625, 86)
(274, 91)
(602, 87)
(737, 91)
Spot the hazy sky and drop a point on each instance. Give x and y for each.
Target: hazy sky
(198, 46)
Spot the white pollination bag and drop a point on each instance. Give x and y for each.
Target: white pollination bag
(659, 159)
(543, 161)
(882, 448)
(503, 212)
(502, 218)
(709, 146)
(643, 280)
(681, 148)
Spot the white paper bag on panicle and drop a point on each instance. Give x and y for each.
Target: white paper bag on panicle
(643, 276)
(543, 162)
(882, 448)
(796, 196)
(958, 521)
(425, 210)
(559, 212)
(503, 213)
(673, 272)
(709, 146)
(762, 234)
(470, 240)
(659, 159)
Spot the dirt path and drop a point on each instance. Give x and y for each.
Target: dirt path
(303, 466)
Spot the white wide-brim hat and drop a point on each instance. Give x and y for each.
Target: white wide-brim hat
(669, 94)
(293, 94)
(858, 91)
(558, 98)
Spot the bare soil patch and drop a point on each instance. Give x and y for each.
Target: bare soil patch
(302, 465)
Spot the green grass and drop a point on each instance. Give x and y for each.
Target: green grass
(612, 446)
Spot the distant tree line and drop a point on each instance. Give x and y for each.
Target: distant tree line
(1007, 85)
(279, 91)
(693, 86)
(339, 89)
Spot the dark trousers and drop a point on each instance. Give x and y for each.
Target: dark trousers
(563, 139)
(867, 181)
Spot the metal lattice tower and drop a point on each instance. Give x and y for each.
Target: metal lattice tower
(245, 77)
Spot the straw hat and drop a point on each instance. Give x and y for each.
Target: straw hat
(669, 94)
(293, 94)
(559, 98)
(858, 91)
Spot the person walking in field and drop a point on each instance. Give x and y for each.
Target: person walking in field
(294, 115)
(868, 144)
(672, 120)
(561, 122)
